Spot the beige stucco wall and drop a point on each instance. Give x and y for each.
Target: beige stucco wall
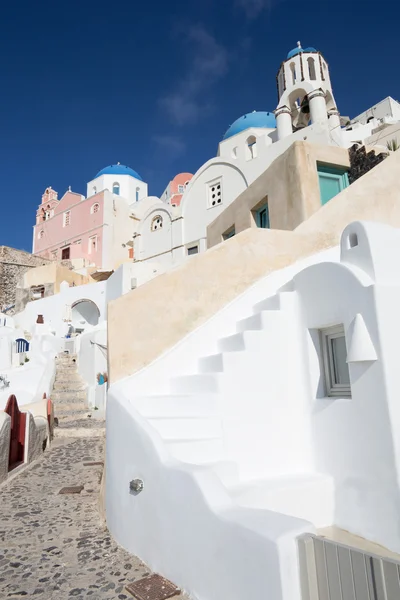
(164, 310)
(206, 283)
(53, 273)
(290, 185)
(373, 197)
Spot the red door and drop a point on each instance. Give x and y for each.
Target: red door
(17, 437)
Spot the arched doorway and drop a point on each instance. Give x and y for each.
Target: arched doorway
(84, 312)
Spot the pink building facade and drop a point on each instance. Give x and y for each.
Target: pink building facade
(96, 228)
(70, 228)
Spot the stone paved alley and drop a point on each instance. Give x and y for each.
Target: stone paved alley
(52, 546)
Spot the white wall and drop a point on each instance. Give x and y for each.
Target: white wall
(153, 244)
(92, 359)
(277, 422)
(385, 108)
(185, 526)
(192, 532)
(30, 381)
(117, 231)
(53, 307)
(127, 183)
(234, 148)
(195, 211)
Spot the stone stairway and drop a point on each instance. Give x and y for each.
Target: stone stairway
(72, 417)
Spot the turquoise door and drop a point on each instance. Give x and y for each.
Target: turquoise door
(332, 180)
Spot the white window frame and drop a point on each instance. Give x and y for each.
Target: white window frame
(209, 186)
(91, 249)
(65, 224)
(181, 189)
(157, 226)
(332, 389)
(92, 209)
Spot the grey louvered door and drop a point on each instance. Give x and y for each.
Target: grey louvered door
(333, 571)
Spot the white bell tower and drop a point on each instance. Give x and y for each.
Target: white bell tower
(305, 92)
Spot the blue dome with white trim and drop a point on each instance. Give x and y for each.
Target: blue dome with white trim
(298, 50)
(254, 119)
(119, 170)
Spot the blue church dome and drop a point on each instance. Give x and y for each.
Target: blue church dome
(119, 170)
(300, 49)
(254, 119)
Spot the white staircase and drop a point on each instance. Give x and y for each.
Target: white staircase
(195, 417)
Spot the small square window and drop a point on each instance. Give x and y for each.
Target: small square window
(181, 189)
(67, 218)
(214, 193)
(193, 250)
(334, 356)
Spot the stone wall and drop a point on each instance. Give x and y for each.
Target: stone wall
(13, 264)
(361, 161)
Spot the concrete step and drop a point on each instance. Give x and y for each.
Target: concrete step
(295, 495)
(244, 340)
(72, 415)
(281, 301)
(65, 407)
(212, 364)
(66, 356)
(177, 405)
(66, 369)
(68, 395)
(226, 470)
(231, 343)
(190, 429)
(65, 386)
(197, 383)
(260, 321)
(197, 451)
(65, 378)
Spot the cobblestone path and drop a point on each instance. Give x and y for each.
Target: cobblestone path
(52, 546)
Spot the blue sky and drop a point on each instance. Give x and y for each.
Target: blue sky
(155, 84)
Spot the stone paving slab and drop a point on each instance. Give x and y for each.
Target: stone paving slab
(52, 547)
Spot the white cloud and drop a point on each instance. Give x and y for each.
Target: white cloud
(172, 145)
(253, 8)
(208, 64)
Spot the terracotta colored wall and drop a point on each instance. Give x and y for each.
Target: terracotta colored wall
(180, 179)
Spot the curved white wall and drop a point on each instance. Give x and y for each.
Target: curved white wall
(195, 211)
(155, 242)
